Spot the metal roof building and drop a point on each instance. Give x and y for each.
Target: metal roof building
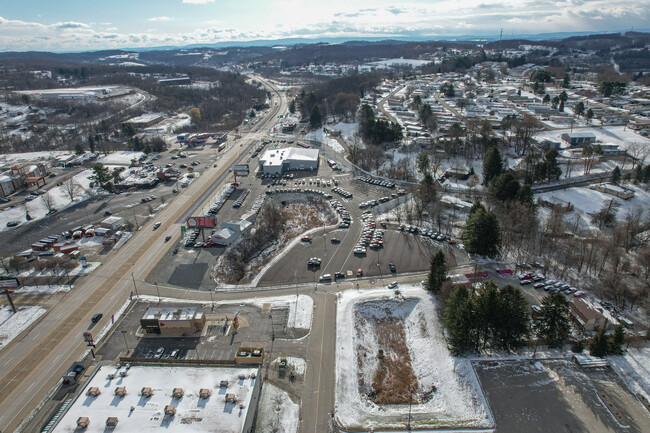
(276, 161)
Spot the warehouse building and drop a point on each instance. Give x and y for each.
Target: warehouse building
(172, 321)
(277, 161)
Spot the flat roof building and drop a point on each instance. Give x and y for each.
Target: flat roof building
(277, 161)
(579, 138)
(172, 320)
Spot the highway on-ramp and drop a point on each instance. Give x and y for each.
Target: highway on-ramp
(31, 367)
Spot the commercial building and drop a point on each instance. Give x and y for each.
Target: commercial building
(146, 120)
(172, 321)
(589, 317)
(230, 232)
(276, 161)
(19, 177)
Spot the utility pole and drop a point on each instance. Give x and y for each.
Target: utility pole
(157, 291)
(134, 285)
(137, 227)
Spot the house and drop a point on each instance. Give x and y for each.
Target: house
(590, 318)
(615, 190)
(579, 138)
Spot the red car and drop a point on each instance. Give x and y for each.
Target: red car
(360, 273)
(305, 239)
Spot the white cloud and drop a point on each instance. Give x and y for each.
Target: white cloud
(154, 19)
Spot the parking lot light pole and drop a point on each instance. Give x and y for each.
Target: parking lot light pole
(380, 274)
(125, 343)
(157, 291)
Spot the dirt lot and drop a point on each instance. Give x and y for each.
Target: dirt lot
(557, 396)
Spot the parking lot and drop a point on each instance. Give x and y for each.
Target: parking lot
(217, 342)
(556, 396)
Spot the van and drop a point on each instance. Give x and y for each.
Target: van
(325, 278)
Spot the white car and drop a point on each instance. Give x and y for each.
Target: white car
(392, 285)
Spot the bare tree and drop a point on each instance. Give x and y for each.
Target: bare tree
(71, 188)
(638, 151)
(48, 201)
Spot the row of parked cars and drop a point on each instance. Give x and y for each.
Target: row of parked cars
(370, 236)
(344, 214)
(342, 192)
(431, 234)
(372, 181)
(216, 207)
(553, 286)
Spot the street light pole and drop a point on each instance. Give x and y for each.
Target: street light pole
(134, 285)
(157, 291)
(125, 343)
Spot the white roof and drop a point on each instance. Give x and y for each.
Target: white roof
(274, 157)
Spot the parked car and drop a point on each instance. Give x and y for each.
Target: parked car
(13, 223)
(392, 285)
(360, 272)
(305, 239)
(159, 352)
(392, 267)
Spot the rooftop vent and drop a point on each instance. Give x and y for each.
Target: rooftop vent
(177, 393)
(93, 391)
(83, 422)
(170, 410)
(146, 392)
(205, 393)
(120, 391)
(111, 421)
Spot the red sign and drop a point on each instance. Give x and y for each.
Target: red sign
(208, 221)
(9, 283)
(88, 336)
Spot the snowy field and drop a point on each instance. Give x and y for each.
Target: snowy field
(12, 324)
(276, 412)
(588, 201)
(620, 135)
(319, 135)
(192, 413)
(120, 158)
(38, 209)
(446, 391)
(634, 369)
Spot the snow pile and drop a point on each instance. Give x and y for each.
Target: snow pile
(276, 412)
(634, 369)
(301, 310)
(457, 400)
(319, 135)
(296, 365)
(43, 290)
(12, 324)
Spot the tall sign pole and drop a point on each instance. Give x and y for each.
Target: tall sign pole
(10, 283)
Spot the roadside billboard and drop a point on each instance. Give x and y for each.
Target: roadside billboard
(241, 170)
(8, 283)
(204, 221)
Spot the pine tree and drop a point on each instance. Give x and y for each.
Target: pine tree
(525, 195)
(315, 119)
(292, 106)
(617, 340)
(554, 324)
(599, 344)
(513, 319)
(616, 175)
(458, 318)
(482, 232)
(505, 187)
(492, 164)
(437, 272)
(638, 173)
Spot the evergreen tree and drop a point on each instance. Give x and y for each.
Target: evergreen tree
(589, 115)
(482, 233)
(579, 108)
(423, 163)
(599, 344)
(458, 318)
(315, 119)
(292, 106)
(437, 272)
(616, 175)
(91, 144)
(566, 82)
(505, 187)
(100, 174)
(487, 314)
(513, 319)
(546, 99)
(525, 195)
(561, 107)
(646, 174)
(554, 323)
(79, 149)
(638, 173)
(492, 164)
(617, 341)
(553, 170)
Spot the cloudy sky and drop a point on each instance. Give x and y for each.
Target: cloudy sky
(73, 25)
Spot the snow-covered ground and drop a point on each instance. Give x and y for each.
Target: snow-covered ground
(38, 209)
(319, 135)
(12, 324)
(120, 158)
(587, 201)
(620, 135)
(30, 157)
(296, 365)
(193, 414)
(634, 369)
(276, 412)
(43, 290)
(457, 400)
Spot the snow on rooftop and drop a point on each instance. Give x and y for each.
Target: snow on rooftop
(192, 413)
(457, 399)
(120, 158)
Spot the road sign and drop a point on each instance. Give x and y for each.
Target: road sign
(9, 283)
(202, 221)
(183, 229)
(88, 336)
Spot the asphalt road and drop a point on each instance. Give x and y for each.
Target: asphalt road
(33, 366)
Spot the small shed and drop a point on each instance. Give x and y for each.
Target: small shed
(83, 422)
(120, 391)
